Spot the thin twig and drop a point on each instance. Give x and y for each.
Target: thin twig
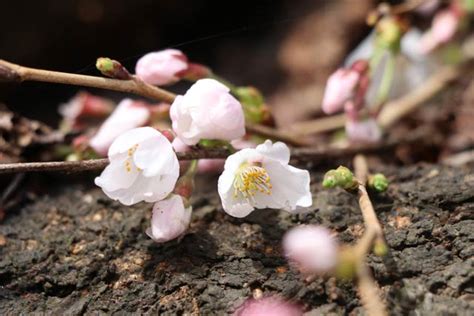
(14, 72)
(368, 290)
(398, 108)
(299, 154)
(21, 73)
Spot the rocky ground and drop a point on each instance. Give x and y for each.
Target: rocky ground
(73, 251)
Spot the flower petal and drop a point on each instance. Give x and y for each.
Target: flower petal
(277, 151)
(290, 185)
(130, 138)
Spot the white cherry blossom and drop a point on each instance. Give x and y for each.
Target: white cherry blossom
(207, 111)
(143, 167)
(261, 178)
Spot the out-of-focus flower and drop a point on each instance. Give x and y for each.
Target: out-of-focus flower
(207, 111)
(312, 248)
(443, 28)
(268, 306)
(261, 178)
(363, 130)
(428, 7)
(143, 167)
(129, 114)
(340, 88)
(85, 104)
(346, 85)
(161, 68)
(170, 219)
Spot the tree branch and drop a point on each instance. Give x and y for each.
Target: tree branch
(299, 154)
(17, 73)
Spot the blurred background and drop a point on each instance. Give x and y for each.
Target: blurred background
(285, 48)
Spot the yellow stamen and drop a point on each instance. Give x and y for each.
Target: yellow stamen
(128, 163)
(250, 179)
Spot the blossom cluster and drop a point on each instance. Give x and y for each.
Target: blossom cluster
(141, 141)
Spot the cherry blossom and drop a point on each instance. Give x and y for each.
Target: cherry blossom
(207, 111)
(366, 130)
(311, 247)
(170, 219)
(443, 28)
(129, 114)
(261, 178)
(266, 306)
(161, 68)
(143, 167)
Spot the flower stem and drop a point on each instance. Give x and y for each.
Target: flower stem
(386, 84)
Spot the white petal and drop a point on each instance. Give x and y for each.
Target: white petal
(277, 151)
(130, 138)
(290, 185)
(145, 189)
(115, 176)
(156, 155)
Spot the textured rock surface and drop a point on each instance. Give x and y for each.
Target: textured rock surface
(75, 252)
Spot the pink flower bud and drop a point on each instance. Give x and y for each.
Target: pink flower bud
(363, 130)
(207, 111)
(170, 219)
(311, 247)
(273, 305)
(161, 68)
(129, 114)
(443, 28)
(85, 104)
(340, 87)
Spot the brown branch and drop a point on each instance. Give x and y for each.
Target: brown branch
(394, 110)
(299, 154)
(138, 87)
(14, 72)
(368, 290)
(99, 164)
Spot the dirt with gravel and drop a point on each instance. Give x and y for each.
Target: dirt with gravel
(74, 252)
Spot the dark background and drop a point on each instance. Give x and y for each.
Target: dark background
(236, 38)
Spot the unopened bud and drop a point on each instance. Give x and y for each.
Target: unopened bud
(253, 104)
(378, 182)
(168, 133)
(195, 72)
(389, 32)
(341, 177)
(112, 68)
(185, 186)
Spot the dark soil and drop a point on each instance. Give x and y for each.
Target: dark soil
(76, 252)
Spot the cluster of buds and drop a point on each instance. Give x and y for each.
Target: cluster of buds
(344, 178)
(340, 177)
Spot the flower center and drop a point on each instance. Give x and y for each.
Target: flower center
(128, 161)
(250, 179)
